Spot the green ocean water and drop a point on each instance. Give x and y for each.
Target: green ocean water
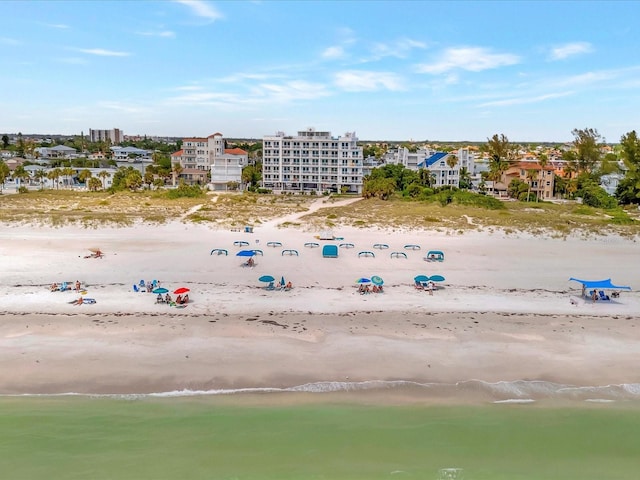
(218, 438)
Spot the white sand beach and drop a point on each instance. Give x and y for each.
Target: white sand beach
(506, 310)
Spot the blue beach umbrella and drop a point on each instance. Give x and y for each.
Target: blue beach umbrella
(245, 253)
(421, 278)
(160, 290)
(436, 278)
(266, 278)
(363, 280)
(376, 280)
(282, 280)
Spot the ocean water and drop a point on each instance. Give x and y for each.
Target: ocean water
(515, 430)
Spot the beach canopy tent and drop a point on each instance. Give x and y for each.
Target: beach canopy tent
(312, 245)
(245, 253)
(257, 251)
(240, 243)
(434, 256)
(398, 255)
(347, 245)
(330, 251)
(274, 244)
(599, 284)
(219, 251)
(290, 252)
(381, 246)
(412, 246)
(366, 254)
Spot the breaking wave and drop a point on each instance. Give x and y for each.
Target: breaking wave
(518, 391)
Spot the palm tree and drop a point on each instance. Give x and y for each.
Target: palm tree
(531, 174)
(68, 172)
(39, 176)
(176, 170)
(54, 175)
(103, 174)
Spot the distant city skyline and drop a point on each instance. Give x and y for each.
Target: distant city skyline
(400, 71)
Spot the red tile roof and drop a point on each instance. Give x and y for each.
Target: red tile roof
(235, 151)
(217, 134)
(178, 153)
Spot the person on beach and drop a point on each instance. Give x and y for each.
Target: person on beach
(77, 285)
(167, 298)
(54, 287)
(594, 296)
(80, 301)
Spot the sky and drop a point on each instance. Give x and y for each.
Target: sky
(386, 70)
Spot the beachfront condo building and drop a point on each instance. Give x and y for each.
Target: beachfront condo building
(312, 161)
(202, 157)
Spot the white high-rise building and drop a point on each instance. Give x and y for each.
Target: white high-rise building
(312, 161)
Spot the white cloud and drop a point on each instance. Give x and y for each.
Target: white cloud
(524, 100)
(103, 53)
(60, 26)
(399, 49)
(202, 9)
(333, 52)
(162, 34)
(367, 81)
(474, 59)
(570, 49)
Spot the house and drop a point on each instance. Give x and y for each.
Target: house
(541, 179)
(201, 157)
(228, 168)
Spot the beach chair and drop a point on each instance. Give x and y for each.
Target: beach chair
(271, 286)
(418, 285)
(64, 287)
(135, 288)
(603, 296)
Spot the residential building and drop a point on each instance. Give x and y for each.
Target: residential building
(114, 136)
(541, 179)
(201, 156)
(227, 167)
(312, 161)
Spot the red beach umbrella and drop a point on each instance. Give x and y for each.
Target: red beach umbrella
(181, 290)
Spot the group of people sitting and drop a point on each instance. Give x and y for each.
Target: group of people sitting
(363, 289)
(286, 286)
(249, 263)
(180, 300)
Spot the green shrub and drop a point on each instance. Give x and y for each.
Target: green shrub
(183, 190)
(23, 189)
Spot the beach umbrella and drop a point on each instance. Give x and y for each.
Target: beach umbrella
(181, 290)
(421, 278)
(160, 290)
(363, 280)
(376, 280)
(245, 253)
(266, 278)
(436, 278)
(282, 281)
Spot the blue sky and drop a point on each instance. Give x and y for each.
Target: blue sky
(386, 70)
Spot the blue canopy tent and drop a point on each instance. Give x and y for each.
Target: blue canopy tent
(330, 251)
(599, 284)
